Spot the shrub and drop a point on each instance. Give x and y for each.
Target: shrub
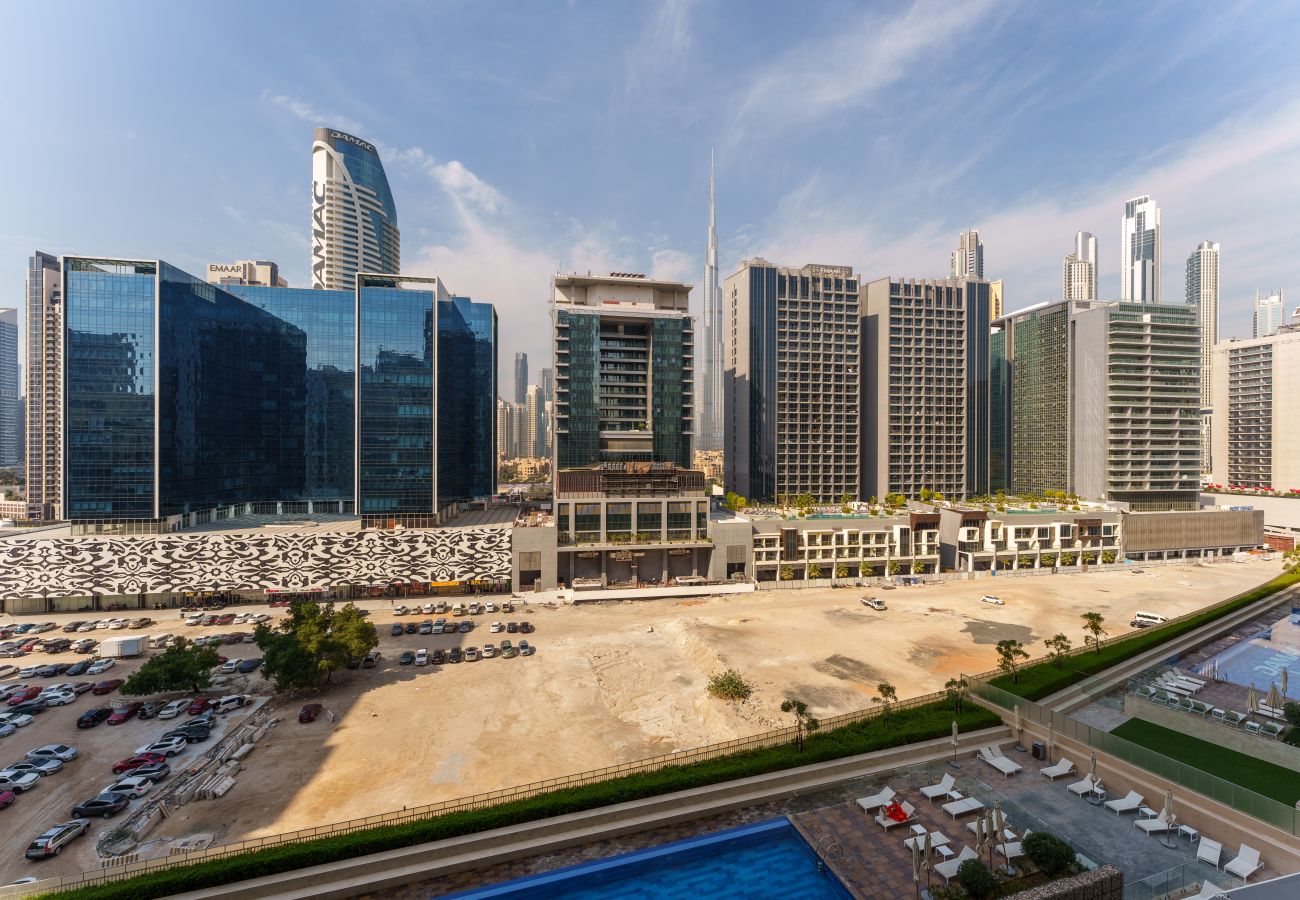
(976, 879)
(1292, 712)
(1051, 854)
(730, 685)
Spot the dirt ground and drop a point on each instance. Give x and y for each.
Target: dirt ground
(609, 683)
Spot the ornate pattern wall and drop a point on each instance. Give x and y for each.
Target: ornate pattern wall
(81, 566)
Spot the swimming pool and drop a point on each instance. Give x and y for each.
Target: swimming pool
(1259, 660)
(768, 860)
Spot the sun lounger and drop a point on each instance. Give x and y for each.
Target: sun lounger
(1152, 826)
(1130, 803)
(1271, 711)
(1085, 787)
(1234, 718)
(1246, 864)
(1208, 851)
(1272, 729)
(1001, 763)
(1146, 692)
(887, 823)
(875, 801)
(1201, 708)
(1208, 891)
(1013, 850)
(1062, 767)
(1007, 834)
(942, 789)
(1173, 697)
(961, 807)
(949, 868)
(1184, 676)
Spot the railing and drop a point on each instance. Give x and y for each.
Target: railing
(1175, 881)
(1266, 809)
(760, 741)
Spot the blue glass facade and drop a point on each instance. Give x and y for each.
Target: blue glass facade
(467, 360)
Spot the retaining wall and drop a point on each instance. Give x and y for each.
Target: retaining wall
(1214, 731)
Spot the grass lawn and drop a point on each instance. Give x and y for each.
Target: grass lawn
(1278, 782)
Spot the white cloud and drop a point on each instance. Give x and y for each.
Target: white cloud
(304, 111)
(663, 47)
(464, 184)
(675, 265)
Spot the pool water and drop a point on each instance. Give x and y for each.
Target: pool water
(1259, 660)
(768, 860)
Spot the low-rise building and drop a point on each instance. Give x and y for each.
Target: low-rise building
(974, 539)
(866, 546)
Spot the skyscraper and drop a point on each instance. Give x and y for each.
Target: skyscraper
(709, 404)
(968, 259)
(353, 217)
(521, 378)
(1203, 296)
(535, 421)
(1140, 251)
(792, 384)
(1079, 276)
(546, 381)
(44, 420)
(1270, 313)
(9, 449)
(1258, 426)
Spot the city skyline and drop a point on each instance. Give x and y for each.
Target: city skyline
(513, 194)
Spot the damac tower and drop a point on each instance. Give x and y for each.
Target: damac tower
(353, 218)
(708, 430)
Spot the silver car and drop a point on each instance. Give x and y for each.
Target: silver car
(61, 752)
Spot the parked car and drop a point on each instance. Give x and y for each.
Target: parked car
(134, 762)
(407, 657)
(495, 627)
(427, 608)
(439, 656)
(106, 805)
(426, 627)
(507, 607)
(52, 841)
(248, 666)
(309, 712)
(476, 609)
(396, 629)
(32, 707)
(525, 648)
(228, 667)
(466, 627)
(19, 782)
(191, 732)
(73, 625)
(400, 611)
(168, 747)
(507, 650)
(78, 668)
(100, 666)
(23, 695)
(17, 720)
(372, 659)
(453, 655)
(134, 786)
(7, 797)
(230, 703)
(525, 628)
(422, 657)
(199, 705)
(439, 626)
(58, 698)
(412, 628)
(89, 626)
(154, 771)
(489, 651)
(151, 708)
(873, 602)
(53, 670)
(35, 766)
(173, 709)
(489, 607)
(512, 628)
(92, 717)
(996, 601)
(471, 654)
(107, 686)
(225, 619)
(123, 713)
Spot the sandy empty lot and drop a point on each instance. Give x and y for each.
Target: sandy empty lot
(616, 682)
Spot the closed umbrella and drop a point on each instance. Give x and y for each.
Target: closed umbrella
(955, 745)
(925, 860)
(1284, 682)
(1015, 719)
(1051, 739)
(1274, 697)
(1252, 700)
(999, 825)
(1168, 815)
(916, 866)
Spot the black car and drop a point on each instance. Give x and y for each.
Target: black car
(31, 707)
(466, 627)
(53, 670)
(354, 662)
(150, 709)
(247, 666)
(412, 628)
(396, 630)
(79, 668)
(155, 772)
(512, 628)
(371, 660)
(72, 626)
(407, 657)
(92, 717)
(525, 628)
(106, 805)
(439, 657)
(192, 734)
(453, 655)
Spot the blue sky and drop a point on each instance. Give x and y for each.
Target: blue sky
(525, 138)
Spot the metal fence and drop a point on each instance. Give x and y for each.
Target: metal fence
(773, 738)
(1266, 809)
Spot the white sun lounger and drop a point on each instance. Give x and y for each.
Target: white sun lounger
(887, 823)
(1062, 767)
(1208, 891)
(1209, 851)
(1085, 787)
(1246, 864)
(1000, 762)
(1129, 803)
(949, 868)
(1152, 826)
(961, 807)
(1007, 834)
(1183, 676)
(1015, 849)
(943, 788)
(875, 801)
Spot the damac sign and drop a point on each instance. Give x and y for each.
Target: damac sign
(340, 136)
(318, 234)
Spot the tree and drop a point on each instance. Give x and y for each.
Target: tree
(925, 495)
(1059, 647)
(893, 567)
(841, 571)
(803, 720)
(1108, 556)
(976, 879)
(886, 694)
(1010, 652)
(1051, 854)
(729, 685)
(871, 501)
(1067, 559)
(786, 573)
(1291, 558)
(917, 567)
(814, 570)
(305, 649)
(733, 501)
(956, 689)
(181, 667)
(846, 502)
(938, 497)
(1092, 626)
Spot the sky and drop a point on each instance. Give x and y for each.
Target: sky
(522, 139)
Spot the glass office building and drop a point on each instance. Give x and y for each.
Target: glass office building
(184, 397)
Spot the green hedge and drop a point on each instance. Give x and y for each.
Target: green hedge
(1043, 679)
(901, 727)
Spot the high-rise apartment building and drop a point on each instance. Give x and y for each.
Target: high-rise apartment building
(792, 381)
(995, 299)
(1079, 276)
(967, 260)
(1203, 296)
(709, 403)
(546, 381)
(1037, 404)
(624, 370)
(535, 422)
(1140, 251)
(521, 378)
(259, 272)
(505, 432)
(1270, 313)
(44, 419)
(1256, 392)
(925, 387)
(10, 448)
(353, 217)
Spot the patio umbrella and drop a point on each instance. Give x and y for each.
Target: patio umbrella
(1051, 739)
(1016, 726)
(1274, 698)
(916, 866)
(999, 825)
(955, 745)
(1252, 700)
(925, 859)
(1168, 815)
(1284, 682)
(1092, 768)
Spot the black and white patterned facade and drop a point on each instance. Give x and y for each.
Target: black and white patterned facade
(202, 562)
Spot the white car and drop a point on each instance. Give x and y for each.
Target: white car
(242, 618)
(30, 671)
(488, 651)
(489, 607)
(61, 752)
(167, 747)
(7, 670)
(134, 786)
(35, 766)
(996, 601)
(173, 709)
(194, 619)
(18, 720)
(495, 628)
(229, 666)
(428, 608)
(104, 623)
(400, 611)
(57, 698)
(7, 729)
(229, 703)
(421, 657)
(118, 624)
(19, 782)
(100, 666)
(88, 626)
(260, 618)
(873, 602)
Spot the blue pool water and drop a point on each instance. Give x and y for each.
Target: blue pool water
(769, 860)
(1259, 660)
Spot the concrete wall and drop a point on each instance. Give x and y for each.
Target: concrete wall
(542, 540)
(1214, 731)
(1193, 530)
(736, 534)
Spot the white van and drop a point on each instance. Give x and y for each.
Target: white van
(1146, 620)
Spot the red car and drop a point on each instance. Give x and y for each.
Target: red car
(107, 686)
(6, 797)
(122, 713)
(309, 712)
(24, 695)
(199, 705)
(135, 762)
(225, 618)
